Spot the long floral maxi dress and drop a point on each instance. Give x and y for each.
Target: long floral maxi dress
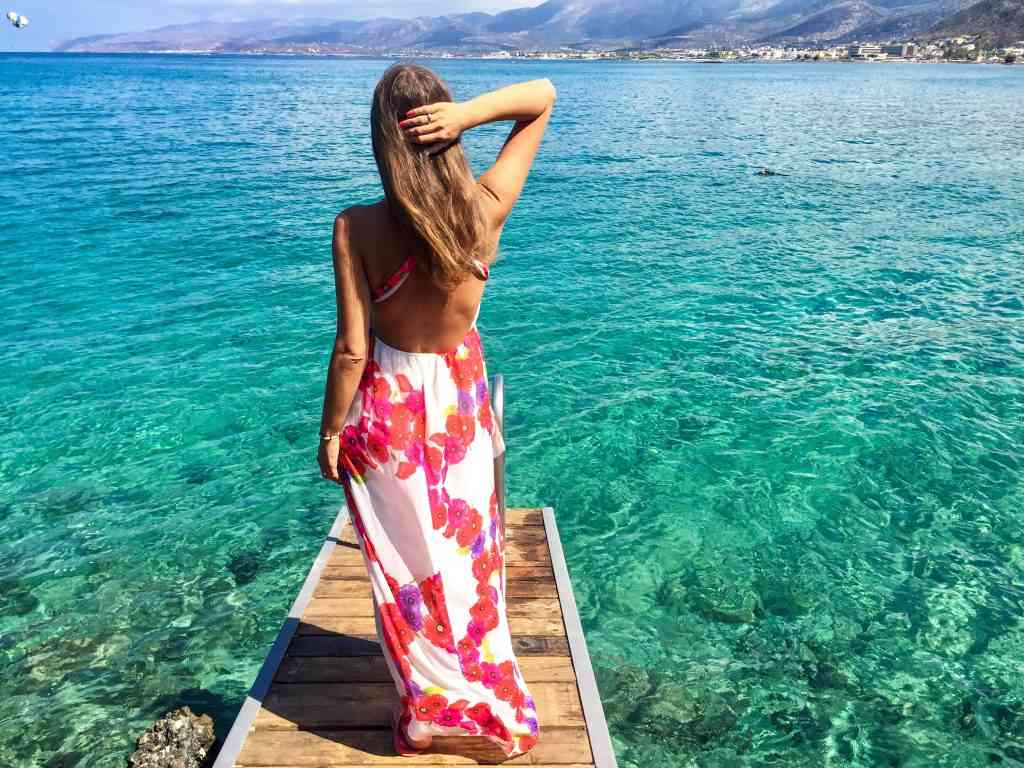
(417, 456)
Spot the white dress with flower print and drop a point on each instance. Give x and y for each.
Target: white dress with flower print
(417, 462)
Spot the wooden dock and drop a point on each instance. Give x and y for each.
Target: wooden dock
(323, 697)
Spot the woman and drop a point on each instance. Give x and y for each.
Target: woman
(407, 427)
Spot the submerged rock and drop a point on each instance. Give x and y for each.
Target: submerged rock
(622, 687)
(179, 739)
(684, 710)
(716, 589)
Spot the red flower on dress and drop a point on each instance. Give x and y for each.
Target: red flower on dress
(505, 689)
(472, 672)
(484, 612)
(353, 452)
(479, 713)
(470, 529)
(403, 427)
(438, 516)
(429, 707)
(484, 414)
(527, 742)
(495, 727)
(482, 568)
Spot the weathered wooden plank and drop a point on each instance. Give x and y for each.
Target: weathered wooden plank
(425, 765)
(516, 572)
(312, 749)
(364, 625)
(515, 587)
(527, 534)
(515, 553)
(367, 645)
(520, 517)
(368, 705)
(363, 606)
(373, 669)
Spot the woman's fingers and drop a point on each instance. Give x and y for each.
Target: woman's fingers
(419, 130)
(420, 110)
(427, 138)
(411, 122)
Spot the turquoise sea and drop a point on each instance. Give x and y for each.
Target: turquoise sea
(781, 419)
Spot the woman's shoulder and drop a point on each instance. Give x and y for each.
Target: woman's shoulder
(361, 216)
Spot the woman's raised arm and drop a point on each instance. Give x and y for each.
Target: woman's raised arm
(529, 104)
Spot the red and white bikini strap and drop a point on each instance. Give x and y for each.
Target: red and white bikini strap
(393, 283)
(483, 271)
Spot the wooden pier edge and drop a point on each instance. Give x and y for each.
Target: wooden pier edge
(590, 696)
(257, 693)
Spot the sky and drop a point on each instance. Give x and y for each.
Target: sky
(51, 21)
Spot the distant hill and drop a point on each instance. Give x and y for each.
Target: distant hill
(1001, 20)
(604, 24)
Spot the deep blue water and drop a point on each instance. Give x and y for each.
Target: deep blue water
(781, 419)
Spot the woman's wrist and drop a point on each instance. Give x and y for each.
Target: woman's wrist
(469, 115)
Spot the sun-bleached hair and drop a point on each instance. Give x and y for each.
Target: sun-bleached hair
(429, 189)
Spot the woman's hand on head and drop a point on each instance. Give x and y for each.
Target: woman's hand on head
(431, 123)
(327, 458)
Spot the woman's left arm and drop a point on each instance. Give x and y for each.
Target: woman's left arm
(351, 341)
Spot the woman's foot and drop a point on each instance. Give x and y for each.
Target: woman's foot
(404, 745)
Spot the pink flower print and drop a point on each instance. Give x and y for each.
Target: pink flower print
(414, 402)
(492, 675)
(414, 453)
(458, 514)
(476, 631)
(449, 717)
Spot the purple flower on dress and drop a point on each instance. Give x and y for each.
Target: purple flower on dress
(493, 594)
(478, 545)
(409, 602)
(532, 723)
(528, 703)
(414, 690)
(481, 390)
(465, 401)
(494, 529)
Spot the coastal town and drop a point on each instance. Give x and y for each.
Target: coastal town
(962, 49)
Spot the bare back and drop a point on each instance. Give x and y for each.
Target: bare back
(420, 317)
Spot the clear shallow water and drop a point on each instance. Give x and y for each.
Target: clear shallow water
(781, 419)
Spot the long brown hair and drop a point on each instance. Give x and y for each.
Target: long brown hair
(432, 194)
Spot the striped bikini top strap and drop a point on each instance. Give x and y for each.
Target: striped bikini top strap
(483, 271)
(393, 283)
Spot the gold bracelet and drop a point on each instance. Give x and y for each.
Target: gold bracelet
(327, 438)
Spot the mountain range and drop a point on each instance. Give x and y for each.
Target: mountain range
(607, 24)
